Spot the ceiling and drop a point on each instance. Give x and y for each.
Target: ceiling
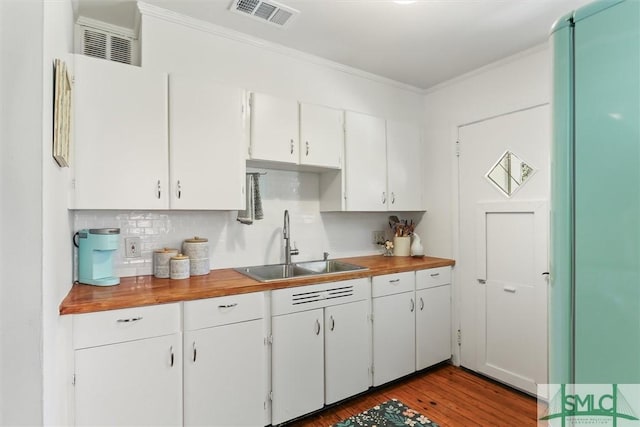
(421, 44)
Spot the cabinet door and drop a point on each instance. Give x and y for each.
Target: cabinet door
(224, 375)
(274, 129)
(297, 358)
(132, 383)
(321, 136)
(206, 143)
(120, 122)
(433, 326)
(404, 171)
(347, 350)
(393, 337)
(365, 163)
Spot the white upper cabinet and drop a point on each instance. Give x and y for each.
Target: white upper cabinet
(321, 136)
(365, 163)
(274, 129)
(206, 144)
(404, 171)
(120, 140)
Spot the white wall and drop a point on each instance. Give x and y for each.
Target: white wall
(172, 47)
(21, 221)
(514, 83)
(56, 227)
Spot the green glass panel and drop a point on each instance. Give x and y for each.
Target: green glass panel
(560, 288)
(607, 196)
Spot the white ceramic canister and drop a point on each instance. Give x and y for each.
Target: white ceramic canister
(161, 262)
(179, 267)
(197, 249)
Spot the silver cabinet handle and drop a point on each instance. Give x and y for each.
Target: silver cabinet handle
(510, 289)
(179, 190)
(435, 274)
(421, 304)
(292, 146)
(195, 352)
(482, 281)
(317, 327)
(171, 352)
(228, 305)
(307, 148)
(384, 197)
(131, 319)
(159, 190)
(333, 323)
(393, 197)
(394, 281)
(413, 305)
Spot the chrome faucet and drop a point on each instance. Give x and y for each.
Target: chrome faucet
(286, 233)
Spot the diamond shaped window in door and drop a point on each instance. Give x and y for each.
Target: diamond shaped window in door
(509, 173)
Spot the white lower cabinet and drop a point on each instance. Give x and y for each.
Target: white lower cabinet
(347, 350)
(393, 326)
(128, 367)
(320, 347)
(433, 316)
(224, 361)
(297, 354)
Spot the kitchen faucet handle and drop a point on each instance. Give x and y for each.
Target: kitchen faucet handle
(294, 249)
(325, 255)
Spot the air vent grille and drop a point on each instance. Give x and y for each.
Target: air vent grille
(95, 43)
(106, 45)
(315, 296)
(120, 50)
(270, 12)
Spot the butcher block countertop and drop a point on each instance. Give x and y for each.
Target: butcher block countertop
(147, 290)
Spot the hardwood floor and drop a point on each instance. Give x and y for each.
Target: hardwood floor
(448, 395)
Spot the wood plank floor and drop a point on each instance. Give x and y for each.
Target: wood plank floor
(448, 395)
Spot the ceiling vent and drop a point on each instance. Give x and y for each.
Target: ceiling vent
(91, 40)
(266, 11)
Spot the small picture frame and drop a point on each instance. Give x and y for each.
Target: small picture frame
(61, 113)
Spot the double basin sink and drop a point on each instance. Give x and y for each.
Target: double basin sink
(268, 273)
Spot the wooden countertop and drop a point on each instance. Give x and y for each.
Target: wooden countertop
(147, 290)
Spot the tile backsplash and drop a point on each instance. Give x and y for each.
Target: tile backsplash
(232, 244)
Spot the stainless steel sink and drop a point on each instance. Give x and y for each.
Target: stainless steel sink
(329, 266)
(269, 273)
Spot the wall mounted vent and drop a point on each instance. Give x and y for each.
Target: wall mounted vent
(270, 12)
(91, 40)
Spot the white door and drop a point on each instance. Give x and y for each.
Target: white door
(274, 128)
(365, 162)
(120, 139)
(134, 383)
(404, 166)
(321, 136)
(222, 364)
(206, 142)
(394, 338)
(503, 247)
(347, 350)
(297, 361)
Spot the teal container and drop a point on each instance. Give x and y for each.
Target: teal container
(594, 318)
(96, 248)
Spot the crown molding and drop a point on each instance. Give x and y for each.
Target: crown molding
(147, 9)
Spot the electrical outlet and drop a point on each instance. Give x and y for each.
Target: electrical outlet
(132, 247)
(378, 237)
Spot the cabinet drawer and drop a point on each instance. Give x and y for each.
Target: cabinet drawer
(390, 284)
(433, 277)
(223, 310)
(302, 298)
(108, 327)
